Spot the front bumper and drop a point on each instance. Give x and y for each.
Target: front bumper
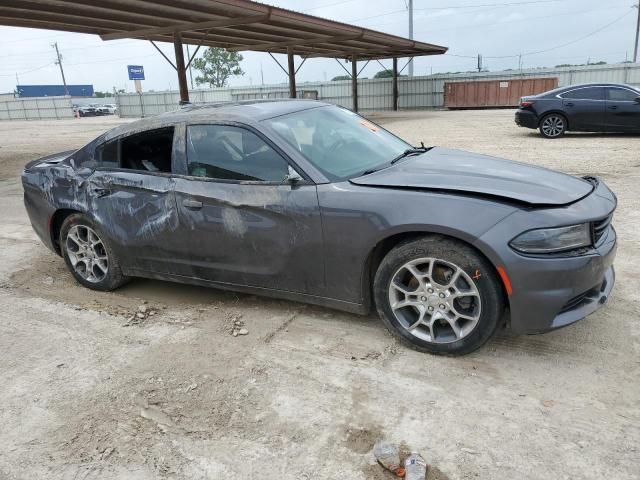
(526, 118)
(586, 303)
(553, 291)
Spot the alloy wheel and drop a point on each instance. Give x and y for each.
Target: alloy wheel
(435, 300)
(553, 125)
(87, 253)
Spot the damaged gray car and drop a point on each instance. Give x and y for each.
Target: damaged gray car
(307, 201)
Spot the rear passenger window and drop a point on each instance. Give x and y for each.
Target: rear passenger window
(587, 93)
(232, 153)
(621, 95)
(148, 151)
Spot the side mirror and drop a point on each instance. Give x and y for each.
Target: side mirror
(292, 176)
(637, 100)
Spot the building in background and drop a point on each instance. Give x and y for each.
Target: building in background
(54, 90)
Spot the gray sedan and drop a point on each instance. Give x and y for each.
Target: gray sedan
(310, 202)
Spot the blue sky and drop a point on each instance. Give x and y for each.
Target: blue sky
(567, 31)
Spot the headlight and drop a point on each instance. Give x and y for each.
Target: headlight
(548, 240)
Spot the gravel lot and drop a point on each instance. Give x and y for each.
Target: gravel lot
(87, 394)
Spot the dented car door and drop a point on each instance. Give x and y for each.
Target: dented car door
(136, 207)
(244, 222)
(138, 211)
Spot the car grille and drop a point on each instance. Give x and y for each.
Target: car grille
(599, 228)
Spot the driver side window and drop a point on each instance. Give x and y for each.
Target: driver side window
(227, 152)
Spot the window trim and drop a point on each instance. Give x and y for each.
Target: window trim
(290, 163)
(559, 95)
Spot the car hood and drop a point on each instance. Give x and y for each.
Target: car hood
(49, 160)
(443, 169)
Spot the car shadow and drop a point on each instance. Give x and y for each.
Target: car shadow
(582, 135)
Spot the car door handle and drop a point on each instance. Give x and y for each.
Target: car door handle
(569, 104)
(194, 204)
(613, 107)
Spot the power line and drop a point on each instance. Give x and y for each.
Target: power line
(568, 43)
(503, 4)
(546, 49)
(26, 71)
(526, 19)
(327, 5)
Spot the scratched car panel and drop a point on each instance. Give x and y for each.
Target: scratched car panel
(310, 202)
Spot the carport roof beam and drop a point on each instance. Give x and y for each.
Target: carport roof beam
(236, 25)
(233, 24)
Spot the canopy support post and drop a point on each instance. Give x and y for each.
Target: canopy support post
(395, 84)
(181, 69)
(354, 82)
(292, 73)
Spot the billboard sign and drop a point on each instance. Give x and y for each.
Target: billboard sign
(136, 72)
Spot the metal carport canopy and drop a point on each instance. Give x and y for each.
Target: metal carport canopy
(237, 25)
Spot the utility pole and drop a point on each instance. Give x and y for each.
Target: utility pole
(261, 75)
(411, 35)
(520, 63)
(190, 74)
(479, 62)
(635, 48)
(59, 63)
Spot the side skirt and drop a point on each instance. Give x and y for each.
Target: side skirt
(265, 292)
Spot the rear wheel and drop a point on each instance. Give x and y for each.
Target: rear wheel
(553, 125)
(438, 295)
(88, 255)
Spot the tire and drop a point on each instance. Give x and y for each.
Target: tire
(480, 296)
(88, 254)
(553, 125)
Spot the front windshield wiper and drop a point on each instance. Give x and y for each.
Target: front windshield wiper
(406, 153)
(411, 151)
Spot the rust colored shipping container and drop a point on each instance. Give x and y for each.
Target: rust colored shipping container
(494, 93)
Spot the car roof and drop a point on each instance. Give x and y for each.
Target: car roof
(582, 85)
(244, 111)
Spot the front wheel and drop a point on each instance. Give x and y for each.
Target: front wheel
(88, 255)
(553, 125)
(438, 295)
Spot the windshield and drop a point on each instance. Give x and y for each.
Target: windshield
(339, 143)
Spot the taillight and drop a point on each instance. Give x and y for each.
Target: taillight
(526, 103)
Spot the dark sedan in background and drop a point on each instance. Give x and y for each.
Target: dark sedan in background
(582, 108)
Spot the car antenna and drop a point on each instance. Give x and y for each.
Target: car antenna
(422, 145)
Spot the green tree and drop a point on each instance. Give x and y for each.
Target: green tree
(216, 66)
(341, 77)
(387, 73)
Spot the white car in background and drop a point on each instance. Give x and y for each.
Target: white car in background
(110, 108)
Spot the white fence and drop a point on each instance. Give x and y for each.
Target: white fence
(36, 108)
(375, 94)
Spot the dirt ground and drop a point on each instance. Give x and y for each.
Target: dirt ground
(86, 393)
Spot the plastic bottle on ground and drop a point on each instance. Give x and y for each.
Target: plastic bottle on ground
(415, 467)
